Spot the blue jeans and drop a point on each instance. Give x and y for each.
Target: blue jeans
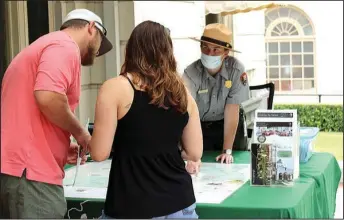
(188, 213)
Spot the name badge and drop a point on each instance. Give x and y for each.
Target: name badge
(228, 84)
(202, 91)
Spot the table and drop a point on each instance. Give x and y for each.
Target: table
(312, 196)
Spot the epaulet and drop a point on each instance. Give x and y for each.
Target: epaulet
(234, 63)
(193, 70)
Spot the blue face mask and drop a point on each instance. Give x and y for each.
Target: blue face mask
(211, 62)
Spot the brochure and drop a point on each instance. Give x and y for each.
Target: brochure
(274, 149)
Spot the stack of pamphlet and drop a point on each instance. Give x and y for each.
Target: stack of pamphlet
(275, 148)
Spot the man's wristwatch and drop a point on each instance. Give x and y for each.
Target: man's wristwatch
(227, 151)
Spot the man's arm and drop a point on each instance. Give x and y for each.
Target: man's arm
(231, 115)
(238, 94)
(55, 108)
(55, 76)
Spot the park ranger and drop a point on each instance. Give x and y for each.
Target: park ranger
(218, 83)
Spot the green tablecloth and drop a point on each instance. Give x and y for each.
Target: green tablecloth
(312, 196)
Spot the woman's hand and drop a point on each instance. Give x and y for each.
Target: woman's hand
(193, 167)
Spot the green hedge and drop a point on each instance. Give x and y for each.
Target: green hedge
(327, 118)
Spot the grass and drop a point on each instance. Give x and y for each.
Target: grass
(331, 142)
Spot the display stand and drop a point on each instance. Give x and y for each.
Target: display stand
(275, 148)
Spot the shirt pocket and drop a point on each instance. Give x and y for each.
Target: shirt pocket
(203, 98)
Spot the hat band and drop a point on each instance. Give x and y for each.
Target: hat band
(218, 42)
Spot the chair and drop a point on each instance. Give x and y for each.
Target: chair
(271, 88)
(241, 141)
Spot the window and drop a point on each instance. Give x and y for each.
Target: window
(289, 45)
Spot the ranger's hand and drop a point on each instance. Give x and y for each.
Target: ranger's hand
(227, 158)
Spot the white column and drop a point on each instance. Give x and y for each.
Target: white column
(111, 21)
(55, 15)
(126, 24)
(228, 21)
(249, 38)
(17, 26)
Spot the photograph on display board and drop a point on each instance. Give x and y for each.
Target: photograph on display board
(269, 132)
(271, 165)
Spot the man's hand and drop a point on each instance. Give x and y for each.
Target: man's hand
(227, 158)
(73, 155)
(83, 140)
(193, 167)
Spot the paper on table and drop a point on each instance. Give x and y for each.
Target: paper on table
(213, 184)
(215, 193)
(216, 182)
(78, 161)
(91, 175)
(85, 192)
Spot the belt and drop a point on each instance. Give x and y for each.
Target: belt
(207, 124)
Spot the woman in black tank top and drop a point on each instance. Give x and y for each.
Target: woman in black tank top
(142, 116)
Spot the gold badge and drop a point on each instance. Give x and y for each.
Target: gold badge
(228, 84)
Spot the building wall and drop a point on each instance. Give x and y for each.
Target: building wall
(248, 30)
(16, 28)
(184, 18)
(327, 18)
(118, 18)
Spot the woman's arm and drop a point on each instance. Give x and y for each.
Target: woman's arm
(192, 139)
(105, 122)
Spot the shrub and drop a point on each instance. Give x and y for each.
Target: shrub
(327, 118)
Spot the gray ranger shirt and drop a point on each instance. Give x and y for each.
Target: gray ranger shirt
(212, 93)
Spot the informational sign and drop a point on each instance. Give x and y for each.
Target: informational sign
(275, 148)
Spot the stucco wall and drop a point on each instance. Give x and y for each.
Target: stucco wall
(327, 18)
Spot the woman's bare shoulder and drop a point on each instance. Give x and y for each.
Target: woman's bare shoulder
(116, 83)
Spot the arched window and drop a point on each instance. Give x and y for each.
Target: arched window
(289, 43)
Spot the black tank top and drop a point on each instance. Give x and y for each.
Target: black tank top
(148, 176)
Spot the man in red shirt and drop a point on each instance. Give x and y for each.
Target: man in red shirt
(40, 91)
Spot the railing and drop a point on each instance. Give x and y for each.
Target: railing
(298, 98)
(319, 97)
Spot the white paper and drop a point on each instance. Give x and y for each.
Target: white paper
(214, 183)
(84, 192)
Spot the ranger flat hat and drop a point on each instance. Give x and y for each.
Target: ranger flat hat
(217, 34)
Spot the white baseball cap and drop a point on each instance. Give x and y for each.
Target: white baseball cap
(87, 15)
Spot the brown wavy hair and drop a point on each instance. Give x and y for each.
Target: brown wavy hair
(150, 60)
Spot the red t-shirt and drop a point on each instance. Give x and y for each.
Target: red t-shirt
(28, 139)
